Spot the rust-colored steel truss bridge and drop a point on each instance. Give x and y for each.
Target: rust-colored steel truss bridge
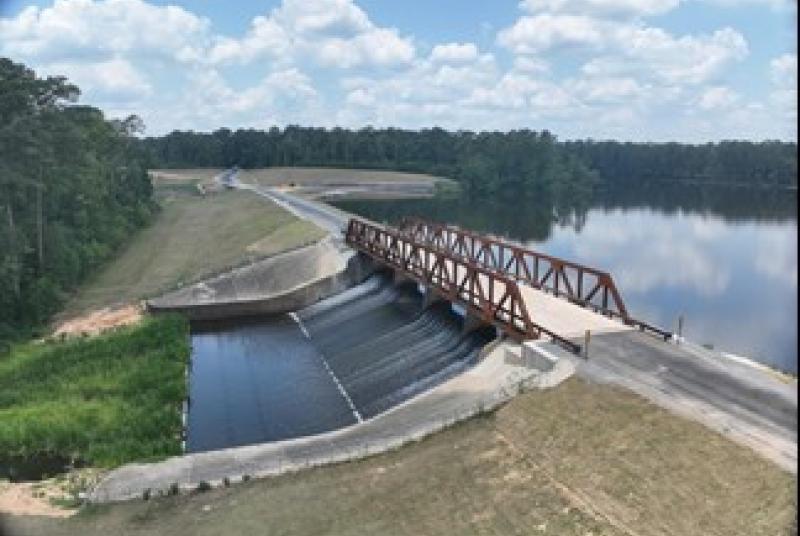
(581, 285)
(492, 297)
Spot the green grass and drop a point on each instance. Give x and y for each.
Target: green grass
(576, 460)
(193, 237)
(106, 400)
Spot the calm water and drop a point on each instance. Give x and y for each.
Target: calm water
(725, 260)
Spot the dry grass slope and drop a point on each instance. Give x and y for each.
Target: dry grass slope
(578, 460)
(192, 237)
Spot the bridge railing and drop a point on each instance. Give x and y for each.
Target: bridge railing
(580, 284)
(487, 294)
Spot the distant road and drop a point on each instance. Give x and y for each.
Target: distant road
(324, 216)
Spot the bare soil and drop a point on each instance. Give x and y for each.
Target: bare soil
(100, 320)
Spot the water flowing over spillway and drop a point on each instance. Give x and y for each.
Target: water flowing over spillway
(344, 359)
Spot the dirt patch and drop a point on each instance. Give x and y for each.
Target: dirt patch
(26, 500)
(101, 320)
(54, 497)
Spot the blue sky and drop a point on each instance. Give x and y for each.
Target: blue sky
(641, 70)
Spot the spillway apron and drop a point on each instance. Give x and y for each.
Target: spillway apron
(339, 385)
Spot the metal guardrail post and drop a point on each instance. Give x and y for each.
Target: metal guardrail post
(587, 336)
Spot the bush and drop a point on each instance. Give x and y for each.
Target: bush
(105, 400)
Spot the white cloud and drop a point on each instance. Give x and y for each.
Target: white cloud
(209, 101)
(717, 97)
(655, 53)
(606, 7)
(115, 80)
(513, 90)
(620, 90)
(691, 59)
(630, 46)
(265, 37)
(783, 96)
(579, 68)
(334, 33)
(71, 30)
(783, 70)
(361, 97)
(539, 33)
(528, 64)
(775, 5)
(454, 52)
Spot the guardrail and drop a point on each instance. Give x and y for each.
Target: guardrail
(580, 284)
(491, 296)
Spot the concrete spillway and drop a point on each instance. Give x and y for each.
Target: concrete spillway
(339, 361)
(384, 348)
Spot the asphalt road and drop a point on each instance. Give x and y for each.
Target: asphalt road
(750, 405)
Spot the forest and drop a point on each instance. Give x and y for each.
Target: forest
(767, 164)
(519, 162)
(73, 188)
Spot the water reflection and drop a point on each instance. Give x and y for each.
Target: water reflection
(726, 260)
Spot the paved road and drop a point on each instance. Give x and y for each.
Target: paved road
(329, 218)
(748, 404)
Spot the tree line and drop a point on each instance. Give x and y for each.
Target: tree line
(766, 164)
(519, 162)
(73, 188)
(526, 162)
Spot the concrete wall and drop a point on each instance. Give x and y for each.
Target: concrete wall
(279, 284)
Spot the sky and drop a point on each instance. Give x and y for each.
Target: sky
(638, 70)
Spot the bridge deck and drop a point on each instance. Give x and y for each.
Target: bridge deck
(564, 318)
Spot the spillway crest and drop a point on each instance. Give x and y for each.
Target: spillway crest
(346, 358)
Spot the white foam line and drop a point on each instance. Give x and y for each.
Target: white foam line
(300, 323)
(339, 385)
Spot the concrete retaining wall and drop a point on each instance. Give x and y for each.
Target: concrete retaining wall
(279, 284)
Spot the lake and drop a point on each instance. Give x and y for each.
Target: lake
(725, 260)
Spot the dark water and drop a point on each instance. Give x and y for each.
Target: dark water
(252, 382)
(349, 357)
(725, 260)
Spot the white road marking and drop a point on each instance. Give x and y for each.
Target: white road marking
(336, 381)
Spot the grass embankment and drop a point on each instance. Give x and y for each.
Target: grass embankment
(577, 460)
(105, 400)
(192, 237)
